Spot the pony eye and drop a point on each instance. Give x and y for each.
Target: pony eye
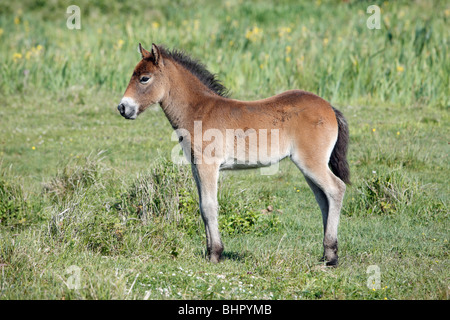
(144, 79)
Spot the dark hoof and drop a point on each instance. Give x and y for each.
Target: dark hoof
(215, 256)
(330, 255)
(332, 263)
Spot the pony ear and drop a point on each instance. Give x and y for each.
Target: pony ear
(156, 53)
(144, 53)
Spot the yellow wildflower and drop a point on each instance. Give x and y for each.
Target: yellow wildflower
(17, 56)
(373, 130)
(33, 147)
(1, 32)
(119, 44)
(36, 50)
(155, 25)
(254, 34)
(288, 49)
(16, 20)
(400, 69)
(284, 30)
(325, 41)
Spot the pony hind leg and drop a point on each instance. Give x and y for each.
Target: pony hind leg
(329, 193)
(321, 199)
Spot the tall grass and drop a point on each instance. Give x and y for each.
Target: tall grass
(18, 206)
(275, 46)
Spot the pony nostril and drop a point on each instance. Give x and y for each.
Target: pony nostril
(121, 108)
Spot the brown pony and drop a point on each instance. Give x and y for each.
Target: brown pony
(217, 132)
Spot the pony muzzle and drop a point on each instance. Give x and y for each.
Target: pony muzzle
(128, 108)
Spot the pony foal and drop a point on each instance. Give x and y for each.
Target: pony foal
(295, 124)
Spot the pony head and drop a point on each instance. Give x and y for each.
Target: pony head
(146, 86)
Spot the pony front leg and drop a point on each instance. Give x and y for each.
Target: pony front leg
(206, 177)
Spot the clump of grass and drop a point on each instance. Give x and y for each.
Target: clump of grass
(160, 207)
(17, 207)
(248, 221)
(13, 202)
(241, 214)
(7, 249)
(80, 211)
(382, 194)
(168, 193)
(78, 174)
(85, 227)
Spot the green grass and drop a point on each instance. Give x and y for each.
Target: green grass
(80, 186)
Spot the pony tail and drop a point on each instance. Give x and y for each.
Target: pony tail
(338, 160)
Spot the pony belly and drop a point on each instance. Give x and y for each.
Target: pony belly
(234, 165)
(248, 162)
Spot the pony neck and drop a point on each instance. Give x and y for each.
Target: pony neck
(185, 95)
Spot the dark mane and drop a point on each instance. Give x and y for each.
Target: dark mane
(198, 69)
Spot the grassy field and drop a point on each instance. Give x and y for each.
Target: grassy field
(92, 208)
